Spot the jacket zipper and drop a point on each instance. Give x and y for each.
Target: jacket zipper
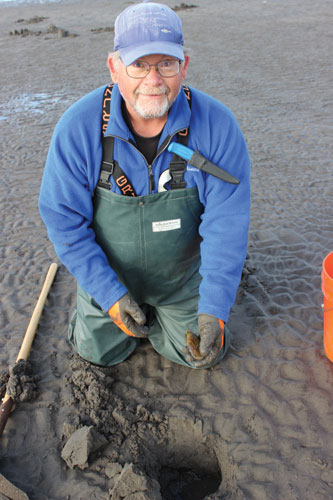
(151, 179)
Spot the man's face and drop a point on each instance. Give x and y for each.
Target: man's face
(152, 96)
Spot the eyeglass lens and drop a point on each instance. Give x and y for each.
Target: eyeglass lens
(166, 68)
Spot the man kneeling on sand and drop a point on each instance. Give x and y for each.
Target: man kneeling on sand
(146, 198)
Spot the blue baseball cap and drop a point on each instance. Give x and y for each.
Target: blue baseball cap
(148, 28)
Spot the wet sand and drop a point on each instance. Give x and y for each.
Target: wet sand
(262, 419)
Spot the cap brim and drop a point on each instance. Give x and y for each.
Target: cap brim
(130, 54)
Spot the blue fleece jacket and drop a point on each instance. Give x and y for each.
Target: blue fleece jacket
(72, 172)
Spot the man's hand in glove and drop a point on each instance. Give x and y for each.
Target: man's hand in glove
(129, 317)
(211, 335)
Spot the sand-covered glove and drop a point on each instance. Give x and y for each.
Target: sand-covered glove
(129, 317)
(202, 351)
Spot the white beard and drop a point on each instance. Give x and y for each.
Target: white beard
(153, 109)
(150, 109)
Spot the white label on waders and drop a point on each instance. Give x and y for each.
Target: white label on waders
(166, 225)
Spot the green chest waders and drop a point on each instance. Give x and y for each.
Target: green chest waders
(152, 243)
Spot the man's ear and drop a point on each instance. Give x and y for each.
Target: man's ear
(113, 68)
(185, 66)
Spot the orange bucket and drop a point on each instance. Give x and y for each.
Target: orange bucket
(327, 289)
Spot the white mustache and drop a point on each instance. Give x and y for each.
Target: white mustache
(153, 91)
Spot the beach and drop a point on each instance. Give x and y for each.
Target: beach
(260, 422)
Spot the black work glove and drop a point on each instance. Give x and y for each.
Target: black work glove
(211, 338)
(129, 317)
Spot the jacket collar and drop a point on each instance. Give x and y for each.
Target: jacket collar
(178, 117)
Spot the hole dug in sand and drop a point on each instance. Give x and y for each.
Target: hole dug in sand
(184, 467)
(142, 453)
(187, 484)
(189, 469)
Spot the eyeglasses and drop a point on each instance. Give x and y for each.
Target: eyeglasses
(166, 68)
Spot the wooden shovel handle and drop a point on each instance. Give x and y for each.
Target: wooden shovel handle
(32, 327)
(24, 351)
(5, 409)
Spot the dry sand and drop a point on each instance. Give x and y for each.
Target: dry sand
(263, 417)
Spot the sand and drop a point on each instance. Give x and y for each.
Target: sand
(260, 423)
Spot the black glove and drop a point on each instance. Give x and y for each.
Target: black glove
(211, 335)
(129, 317)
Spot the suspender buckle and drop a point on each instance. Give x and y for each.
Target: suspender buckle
(107, 170)
(177, 169)
(108, 167)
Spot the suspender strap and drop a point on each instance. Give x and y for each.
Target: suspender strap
(177, 166)
(109, 166)
(106, 107)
